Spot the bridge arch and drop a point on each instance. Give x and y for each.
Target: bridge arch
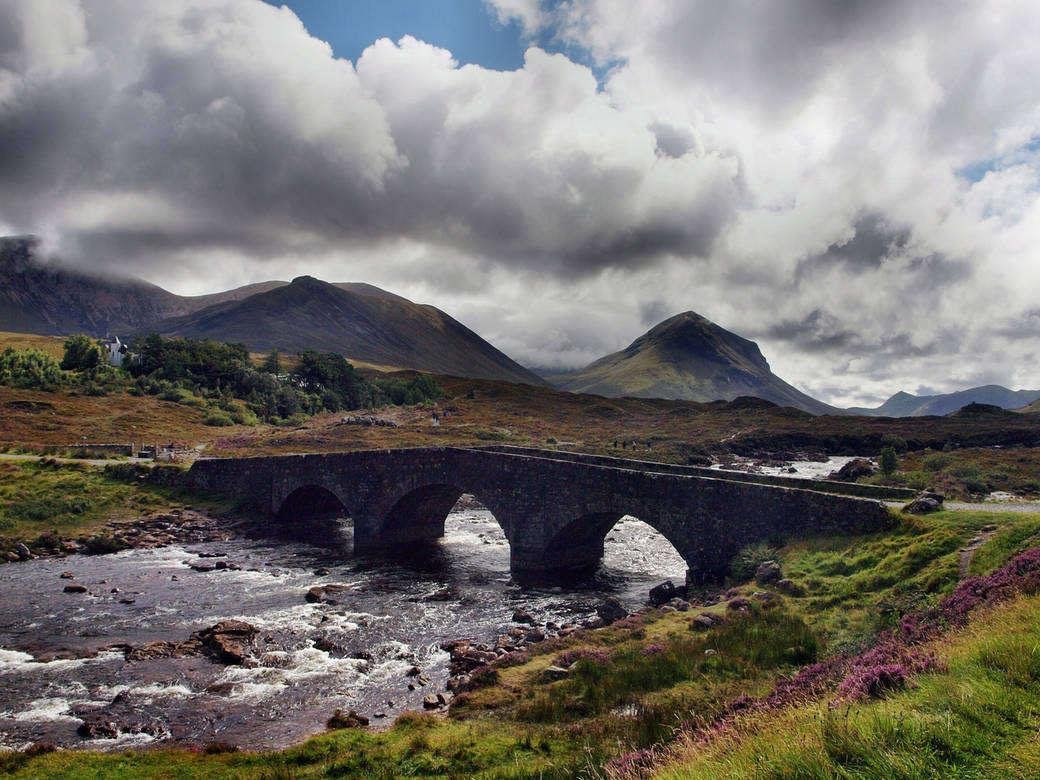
(418, 515)
(311, 502)
(578, 544)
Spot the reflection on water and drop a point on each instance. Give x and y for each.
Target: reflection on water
(313, 657)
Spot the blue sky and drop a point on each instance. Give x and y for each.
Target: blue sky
(465, 27)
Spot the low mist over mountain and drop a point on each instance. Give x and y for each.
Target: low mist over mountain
(357, 320)
(691, 358)
(909, 405)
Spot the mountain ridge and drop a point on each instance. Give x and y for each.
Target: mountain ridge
(688, 357)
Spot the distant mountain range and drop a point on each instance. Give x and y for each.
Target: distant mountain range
(686, 357)
(691, 358)
(909, 405)
(359, 321)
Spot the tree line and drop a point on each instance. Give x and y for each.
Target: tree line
(215, 376)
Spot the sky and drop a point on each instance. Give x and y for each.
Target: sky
(854, 185)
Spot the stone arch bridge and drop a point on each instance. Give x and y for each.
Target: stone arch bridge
(555, 508)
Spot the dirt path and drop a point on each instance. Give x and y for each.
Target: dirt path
(968, 551)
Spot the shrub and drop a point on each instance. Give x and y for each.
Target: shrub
(747, 561)
(888, 460)
(29, 369)
(218, 418)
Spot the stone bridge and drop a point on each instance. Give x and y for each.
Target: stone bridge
(555, 508)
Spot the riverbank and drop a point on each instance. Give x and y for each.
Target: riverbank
(53, 508)
(636, 696)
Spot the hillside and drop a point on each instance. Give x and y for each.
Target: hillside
(359, 321)
(688, 357)
(908, 405)
(356, 319)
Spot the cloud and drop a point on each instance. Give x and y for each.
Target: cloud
(853, 184)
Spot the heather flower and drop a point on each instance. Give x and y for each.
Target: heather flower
(569, 657)
(654, 648)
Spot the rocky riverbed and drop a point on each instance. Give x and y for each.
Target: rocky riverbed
(197, 636)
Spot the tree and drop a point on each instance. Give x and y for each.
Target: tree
(272, 363)
(888, 461)
(81, 354)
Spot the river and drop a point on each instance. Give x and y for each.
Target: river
(313, 658)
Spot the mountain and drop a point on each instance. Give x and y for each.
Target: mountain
(359, 321)
(691, 358)
(909, 405)
(48, 299)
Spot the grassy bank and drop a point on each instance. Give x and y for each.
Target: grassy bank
(652, 680)
(979, 717)
(44, 496)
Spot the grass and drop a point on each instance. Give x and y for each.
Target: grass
(978, 718)
(37, 497)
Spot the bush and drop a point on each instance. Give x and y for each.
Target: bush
(218, 418)
(744, 564)
(29, 369)
(81, 354)
(888, 460)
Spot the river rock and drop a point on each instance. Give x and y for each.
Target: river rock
(610, 610)
(346, 720)
(768, 572)
(854, 470)
(327, 594)
(663, 593)
(523, 616)
(74, 589)
(22, 552)
(431, 702)
(152, 650)
(228, 642)
(66, 575)
(97, 728)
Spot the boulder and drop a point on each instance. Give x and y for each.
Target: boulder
(74, 589)
(768, 572)
(431, 702)
(227, 642)
(663, 593)
(923, 505)
(327, 594)
(22, 552)
(97, 728)
(610, 610)
(703, 622)
(553, 673)
(346, 720)
(854, 470)
(523, 616)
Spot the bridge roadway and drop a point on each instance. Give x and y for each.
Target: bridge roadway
(555, 508)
